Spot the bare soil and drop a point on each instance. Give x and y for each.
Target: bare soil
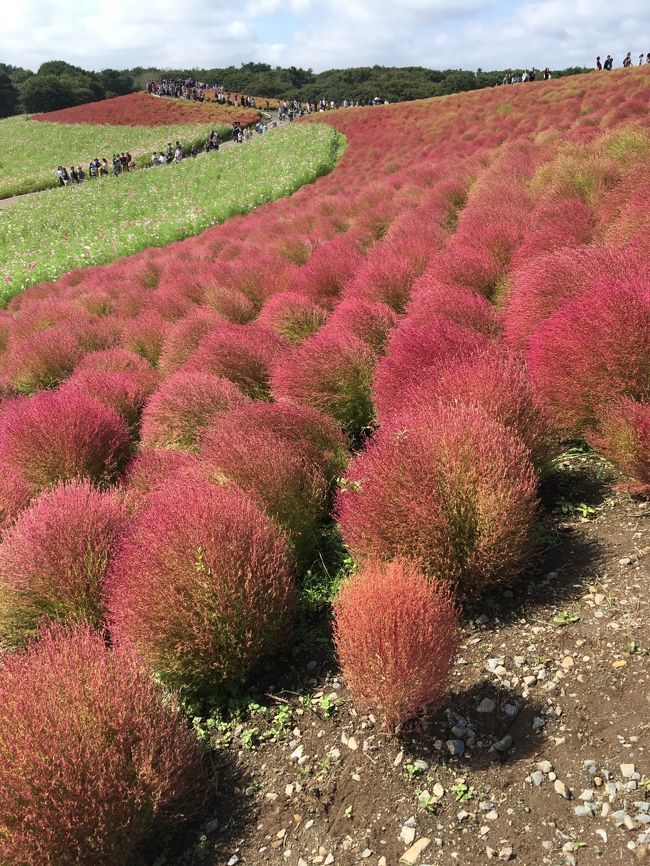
(563, 656)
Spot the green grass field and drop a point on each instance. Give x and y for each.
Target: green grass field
(30, 151)
(47, 234)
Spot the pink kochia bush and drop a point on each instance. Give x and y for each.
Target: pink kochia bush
(14, 494)
(624, 437)
(292, 315)
(331, 371)
(125, 392)
(54, 558)
(184, 405)
(595, 349)
(56, 436)
(496, 382)
(396, 637)
(242, 353)
(97, 766)
(369, 321)
(452, 490)
(291, 488)
(183, 338)
(203, 587)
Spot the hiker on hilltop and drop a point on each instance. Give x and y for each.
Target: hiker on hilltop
(599, 65)
(628, 60)
(608, 62)
(547, 74)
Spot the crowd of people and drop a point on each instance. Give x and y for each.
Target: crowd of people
(121, 162)
(293, 108)
(627, 61)
(527, 75)
(200, 91)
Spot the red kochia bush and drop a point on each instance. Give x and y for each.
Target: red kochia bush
(624, 437)
(370, 322)
(144, 335)
(42, 360)
(97, 766)
(314, 435)
(183, 406)
(125, 392)
(417, 351)
(292, 315)
(241, 353)
(118, 361)
(57, 436)
(203, 587)
(184, 337)
(396, 637)
(592, 351)
(14, 494)
(272, 470)
(452, 490)
(154, 467)
(54, 558)
(332, 372)
(496, 382)
(461, 305)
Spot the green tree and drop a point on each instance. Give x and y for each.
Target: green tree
(8, 96)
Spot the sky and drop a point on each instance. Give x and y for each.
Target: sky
(323, 34)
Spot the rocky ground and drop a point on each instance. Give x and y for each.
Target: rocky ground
(540, 756)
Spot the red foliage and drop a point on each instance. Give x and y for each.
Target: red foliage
(184, 405)
(290, 487)
(184, 337)
(215, 549)
(125, 392)
(624, 438)
(144, 335)
(459, 304)
(331, 371)
(313, 435)
(242, 353)
(97, 766)
(396, 637)
(140, 109)
(15, 494)
(43, 360)
(119, 361)
(154, 467)
(329, 267)
(593, 350)
(229, 302)
(452, 490)
(491, 380)
(369, 321)
(54, 558)
(56, 436)
(292, 316)
(417, 351)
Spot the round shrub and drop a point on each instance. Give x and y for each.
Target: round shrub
(97, 766)
(119, 361)
(395, 634)
(369, 321)
(459, 304)
(203, 587)
(328, 269)
(56, 436)
(144, 335)
(592, 351)
(624, 438)
(183, 406)
(154, 467)
(331, 372)
(496, 382)
(230, 303)
(242, 353)
(292, 315)
(313, 435)
(183, 338)
(417, 351)
(54, 558)
(125, 392)
(452, 490)
(291, 488)
(43, 360)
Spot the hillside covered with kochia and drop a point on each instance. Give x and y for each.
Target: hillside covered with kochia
(391, 356)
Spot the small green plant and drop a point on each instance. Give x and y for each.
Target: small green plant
(568, 508)
(327, 706)
(411, 771)
(463, 792)
(249, 738)
(634, 649)
(566, 618)
(427, 801)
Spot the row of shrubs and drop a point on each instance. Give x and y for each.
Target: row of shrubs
(175, 431)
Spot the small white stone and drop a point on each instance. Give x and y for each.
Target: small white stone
(627, 770)
(407, 835)
(487, 705)
(561, 789)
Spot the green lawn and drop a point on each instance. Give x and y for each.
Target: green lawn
(47, 234)
(31, 150)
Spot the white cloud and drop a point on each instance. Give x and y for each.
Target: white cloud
(325, 34)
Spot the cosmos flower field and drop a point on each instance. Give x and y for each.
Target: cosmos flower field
(392, 356)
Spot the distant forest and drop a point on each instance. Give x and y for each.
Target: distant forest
(57, 84)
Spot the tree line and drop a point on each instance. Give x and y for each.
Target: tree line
(57, 84)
